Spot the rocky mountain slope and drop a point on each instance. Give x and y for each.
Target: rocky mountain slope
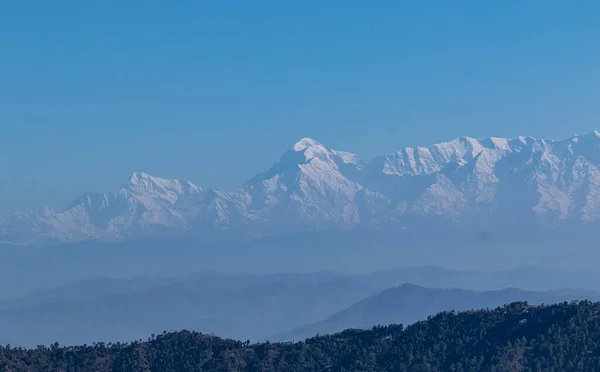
(488, 185)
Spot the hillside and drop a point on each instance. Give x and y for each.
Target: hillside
(409, 303)
(516, 337)
(242, 307)
(259, 307)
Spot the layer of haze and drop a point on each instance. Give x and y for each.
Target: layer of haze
(216, 91)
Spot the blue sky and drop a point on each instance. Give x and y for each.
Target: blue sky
(215, 91)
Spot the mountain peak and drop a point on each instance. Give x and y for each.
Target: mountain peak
(305, 143)
(312, 186)
(142, 182)
(137, 177)
(592, 134)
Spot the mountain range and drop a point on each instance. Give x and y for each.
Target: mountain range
(408, 303)
(488, 187)
(274, 306)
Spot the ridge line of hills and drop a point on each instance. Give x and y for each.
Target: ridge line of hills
(265, 307)
(514, 337)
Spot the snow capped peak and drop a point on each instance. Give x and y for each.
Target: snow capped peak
(312, 149)
(500, 143)
(313, 186)
(591, 139)
(141, 181)
(305, 143)
(591, 135)
(144, 188)
(310, 157)
(137, 177)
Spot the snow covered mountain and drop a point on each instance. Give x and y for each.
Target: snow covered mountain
(493, 184)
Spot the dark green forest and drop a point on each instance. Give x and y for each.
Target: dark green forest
(515, 337)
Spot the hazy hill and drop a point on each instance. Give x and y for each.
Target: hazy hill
(409, 303)
(249, 306)
(240, 307)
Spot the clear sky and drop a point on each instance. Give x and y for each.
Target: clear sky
(215, 91)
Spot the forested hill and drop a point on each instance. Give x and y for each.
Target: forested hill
(516, 337)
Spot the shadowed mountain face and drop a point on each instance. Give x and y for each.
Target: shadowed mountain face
(520, 187)
(408, 303)
(259, 306)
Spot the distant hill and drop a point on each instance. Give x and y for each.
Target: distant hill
(244, 307)
(515, 337)
(255, 307)
(526, 277)
(408, 303)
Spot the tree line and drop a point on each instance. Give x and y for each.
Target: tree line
(515, 337)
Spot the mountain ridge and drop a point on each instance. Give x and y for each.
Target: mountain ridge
(410, 303)
(255, 307)
(465, 183)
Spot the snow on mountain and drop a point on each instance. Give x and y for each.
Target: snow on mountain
(463, 182)
(311, 185)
